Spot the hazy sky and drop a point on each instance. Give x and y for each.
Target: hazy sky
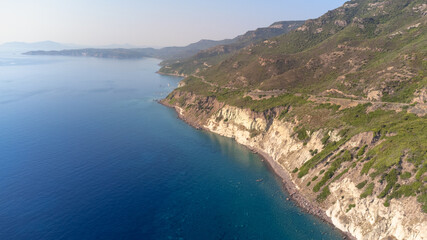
(146, 22)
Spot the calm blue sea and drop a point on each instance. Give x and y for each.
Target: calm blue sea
(86, 153)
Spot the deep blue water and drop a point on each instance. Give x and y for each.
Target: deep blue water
(85, 153)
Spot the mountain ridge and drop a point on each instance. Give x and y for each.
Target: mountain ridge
(168, 54)
(213, 55)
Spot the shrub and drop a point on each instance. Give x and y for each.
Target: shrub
(253, 133)
(362, 184)
(331, 171)
(324, 194)
(319, 157)
(423, 200)
(405, 175)
(302, 134)
(407, 190)
(367, 166)
(313, 152)
(328, 175)
(325, 139)
(350, 207)
(361, 151)
(387, 203)
(391, 178)
(420, 172)
(368, 191)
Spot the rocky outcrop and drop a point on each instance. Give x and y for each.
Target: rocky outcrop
(273, 137)
(370, 219)
(363, 218)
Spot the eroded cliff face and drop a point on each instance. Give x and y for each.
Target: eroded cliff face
(370, 219)
(363, 218)
(273, 137)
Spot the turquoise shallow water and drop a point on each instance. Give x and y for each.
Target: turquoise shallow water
(86, 153)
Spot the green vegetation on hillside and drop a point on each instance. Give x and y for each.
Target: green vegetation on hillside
(214, 55)
(366, 62)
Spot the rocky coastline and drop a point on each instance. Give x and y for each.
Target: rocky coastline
(296, 196)
(288, 185)
(275, 140)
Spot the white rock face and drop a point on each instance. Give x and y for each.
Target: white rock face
(368, 219)
(279, 140)
(375, 95)
(420, 96)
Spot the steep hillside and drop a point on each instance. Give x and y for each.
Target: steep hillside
(175, 53)
(380, 43)
(340, 104)
(206, 58)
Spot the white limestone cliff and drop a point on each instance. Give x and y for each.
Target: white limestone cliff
(367, 219)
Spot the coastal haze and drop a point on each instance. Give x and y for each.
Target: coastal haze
(156, 24)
